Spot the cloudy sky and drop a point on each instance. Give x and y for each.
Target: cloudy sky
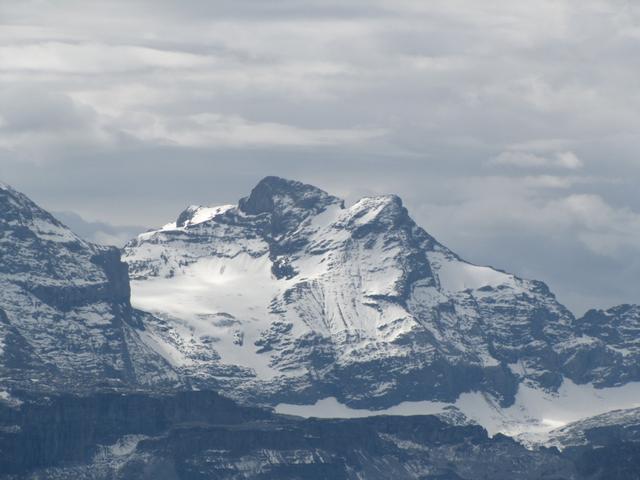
(510, 129)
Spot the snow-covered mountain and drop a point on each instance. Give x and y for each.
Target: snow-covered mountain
(292, 296)
(66, 323)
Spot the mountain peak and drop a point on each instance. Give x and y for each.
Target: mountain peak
(273, 194)
(20, 212)
(8, 192)
(287, 201)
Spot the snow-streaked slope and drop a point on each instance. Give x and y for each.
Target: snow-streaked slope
(613, 426)
(65, 318)
(292, 296)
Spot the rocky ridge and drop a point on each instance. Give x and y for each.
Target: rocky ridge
(293, 296)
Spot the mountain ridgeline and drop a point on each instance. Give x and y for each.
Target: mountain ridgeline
(110, 365)
(293, 296)
(288, 296)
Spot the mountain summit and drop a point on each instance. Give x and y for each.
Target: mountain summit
(278, 196)
(292, 296)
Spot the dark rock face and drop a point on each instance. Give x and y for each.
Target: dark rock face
(117, 274)
(618, 325)
(615, 461)
(611, 354)
(287, 201)
(69, 429)
(197, 435)
(284, 205)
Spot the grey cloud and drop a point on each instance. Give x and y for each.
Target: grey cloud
(99, 232)
(25, 109)
(522, 159)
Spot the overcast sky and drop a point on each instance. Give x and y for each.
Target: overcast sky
(511, 129)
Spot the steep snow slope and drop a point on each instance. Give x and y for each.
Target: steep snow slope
(291, 296)
(65, 318)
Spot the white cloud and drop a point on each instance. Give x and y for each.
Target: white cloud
(435, 64)
(604, 229)
(538, 206)
(511, 158)
(548, 181)
(214, 130)
(35, 123)
(93, 58)
(568, 160)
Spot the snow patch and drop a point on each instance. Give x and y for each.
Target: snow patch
(239, 288)
(531, 418)
(457, 275)
(7, 398)
(330, 407)
(204, 214)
